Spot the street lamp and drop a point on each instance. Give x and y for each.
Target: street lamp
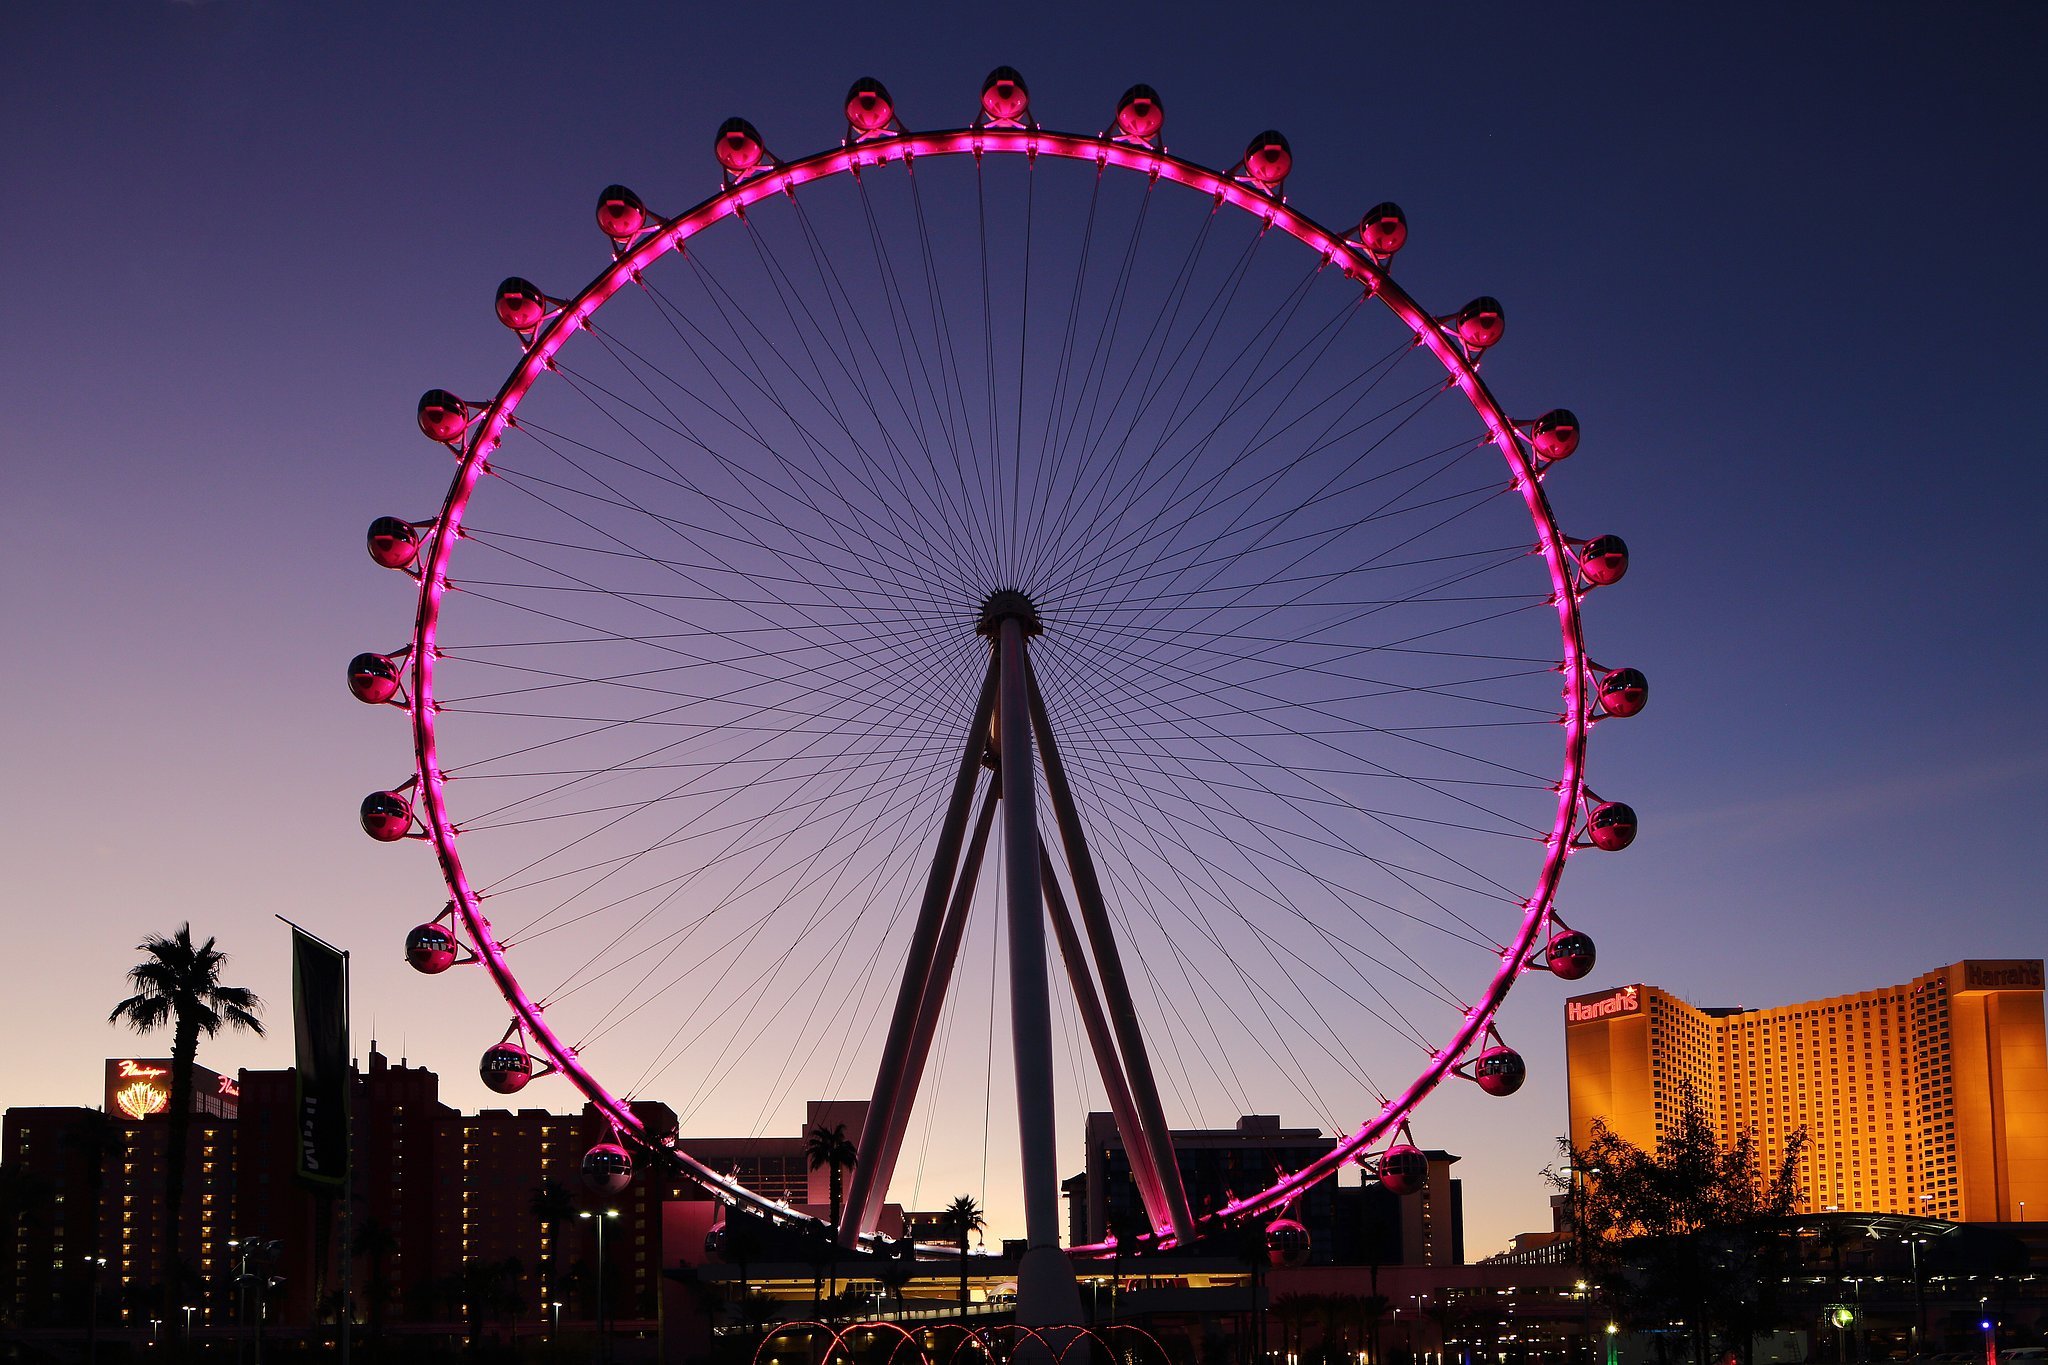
(603, 1341)
(92, 1311)
(189, 1310)
(1919, 1295)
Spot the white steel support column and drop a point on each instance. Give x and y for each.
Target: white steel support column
(1046, 1289)
(1030, 1010)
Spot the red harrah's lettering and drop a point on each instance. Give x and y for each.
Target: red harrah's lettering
(1623, 1001)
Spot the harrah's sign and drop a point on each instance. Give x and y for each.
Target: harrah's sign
(1624, 1001)
(1992, 976)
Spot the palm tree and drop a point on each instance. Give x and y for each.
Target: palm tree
(963, 1218)
(178, 983)
(831, 1147)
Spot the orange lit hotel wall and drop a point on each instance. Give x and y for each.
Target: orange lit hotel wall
(1927, 1098)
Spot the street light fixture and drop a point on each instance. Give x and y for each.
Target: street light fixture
(603, 1337)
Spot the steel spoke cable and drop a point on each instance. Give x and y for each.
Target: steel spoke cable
(1061, 370)
(900, 497)
(904, 331)
(727, 309)
(982, 497)
(764, 846)
(1123, 763)
(1207, 326)
(1137, 491)
(1340, 894)
(1102, 360)
(875, 564)
(943, 520)
(1126, 867)
(621, 1010)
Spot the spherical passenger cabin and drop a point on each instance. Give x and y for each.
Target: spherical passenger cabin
(372, 678)
(1500, 1071)
(607, 1168)
(620, 213)
(1267, 160)
(430, 949)
(1403, 1169)
(1623, 692)
(521, 305)
(1612, 826)
(1570, 954)
(1139, 114)
(506, 1068)
(739, 146)
(393, 543)
(1603, 560)
(868, 106)
(386, 816)
(1555, 435)
(1287, 1243)
(1004, 96)
(1480, 323)
(1383, 230)
(443, 416)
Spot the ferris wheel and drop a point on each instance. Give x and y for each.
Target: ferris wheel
(958, 561)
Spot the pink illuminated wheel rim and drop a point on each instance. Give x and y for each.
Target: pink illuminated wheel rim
(696, 644)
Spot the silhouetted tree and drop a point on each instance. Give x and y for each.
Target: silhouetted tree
(963, 1218)
(178, 983)
(1686, 1232)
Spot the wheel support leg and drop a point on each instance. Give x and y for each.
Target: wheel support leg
(1046, 1291)
(1109, 967)
(888, 1109)
(1102, 1043)
(1030, 1011)
(934, 1001)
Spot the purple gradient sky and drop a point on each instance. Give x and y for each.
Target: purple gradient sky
(1783, 262)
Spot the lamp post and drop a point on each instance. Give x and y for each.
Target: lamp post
(1613, 1346)
(603, 1341)
(92, 1310)
(189, 1309)
(1919, 1296)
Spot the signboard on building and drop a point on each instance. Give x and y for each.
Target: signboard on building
(1584, 1009)
(2011, 975)
(139, 1087)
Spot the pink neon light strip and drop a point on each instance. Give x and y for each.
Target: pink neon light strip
(488, 429)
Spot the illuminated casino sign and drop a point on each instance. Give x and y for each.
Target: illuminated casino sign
(140, 1087)
(1588, 1008)
(2002, 976)
(136, 1089)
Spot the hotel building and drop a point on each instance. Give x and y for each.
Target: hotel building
(1926, 1098)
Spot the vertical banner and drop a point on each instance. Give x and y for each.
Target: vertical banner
(320, 1018)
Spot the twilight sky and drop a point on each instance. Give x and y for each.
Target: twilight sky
(1783, 262)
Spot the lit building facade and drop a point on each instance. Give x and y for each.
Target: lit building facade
(1926, 1098)
(1347, 1224)
(438, 1195)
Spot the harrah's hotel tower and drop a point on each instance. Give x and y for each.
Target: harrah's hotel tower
(1929, 1098)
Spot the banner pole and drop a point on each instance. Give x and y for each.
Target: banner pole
(348, 1179)
(326, 1054)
